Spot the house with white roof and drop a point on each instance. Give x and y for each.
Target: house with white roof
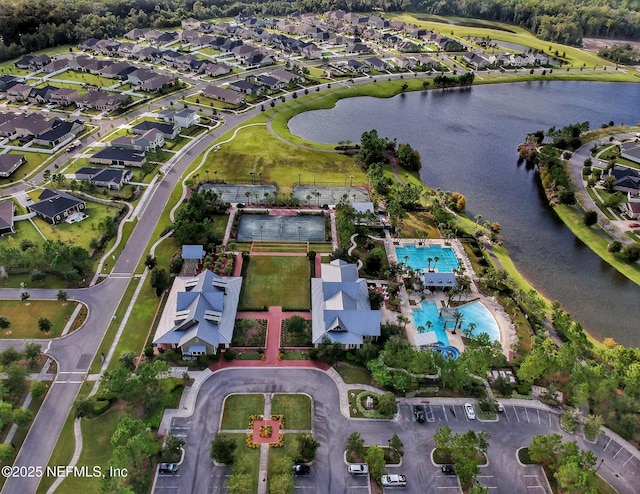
(340, 307)
(200, 314)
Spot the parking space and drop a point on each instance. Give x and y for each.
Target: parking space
(357, 482)
(446, 483)
(528, 415)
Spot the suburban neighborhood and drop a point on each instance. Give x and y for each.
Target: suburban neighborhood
(196, 298)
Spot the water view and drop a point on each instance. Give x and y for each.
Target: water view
(467, 141)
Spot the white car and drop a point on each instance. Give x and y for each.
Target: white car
(358, 469)
(393, 480)
(469, 411)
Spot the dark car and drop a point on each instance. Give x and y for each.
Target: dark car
(448, 470)
(168, 468)
(418, 412)
(301, 469)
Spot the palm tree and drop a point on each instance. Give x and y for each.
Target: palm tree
(266, 198)
(478, 217)
(317, 194)
(308, 198)
(429, 259)
(435, 261)
(428, 324)
(248, 194)
(403, 320)
(458, 320)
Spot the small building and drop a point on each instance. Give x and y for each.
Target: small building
(444, 281)
(192, 256)
(111, 178)
(62, 132)
(7, 210)
(630, 151)
(200, 314)
(151, 140)
(55, 206)
(182, 118)
(341, 311)
(170, 131)
(223, 94)
(118, 157)
(9, 163)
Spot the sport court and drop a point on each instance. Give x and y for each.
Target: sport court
(236, 193)
(279, 228)
(317, 196)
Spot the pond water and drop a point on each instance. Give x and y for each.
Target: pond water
(467, 140)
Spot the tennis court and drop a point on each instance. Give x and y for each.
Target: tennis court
(269, 228)
(244, 193)
(319, 195)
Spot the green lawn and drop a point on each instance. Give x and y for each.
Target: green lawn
(248, 457)
(296, 409)
(85, 78)
(81, 233)
(24, 317)
(34, 161)
(289, 449)
(96, 450)
(269, 281)
(416, 222)
(354, 375)
(255, 149)
(24, 231)
(238, 407)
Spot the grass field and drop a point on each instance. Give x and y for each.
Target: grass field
(85, 78)
(96, 450)
(416, 222)
(280, 281)
(255, 150)
(354, 375)
(296, 409)
(238, 407)
(24, 317)
(34, 161)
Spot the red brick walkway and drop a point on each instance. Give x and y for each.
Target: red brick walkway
(274, 317)
(275, 434)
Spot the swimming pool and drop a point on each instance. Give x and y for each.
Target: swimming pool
(417, 258)
(474, 312)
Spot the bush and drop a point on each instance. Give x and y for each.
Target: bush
(590, 218)
(229, 355)
(631, 252)
(223, 448)
(615, 246)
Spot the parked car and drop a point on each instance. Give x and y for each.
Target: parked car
(418, 412)
(393, 480)
(168, 468)
(448, 470)
(500, 407)
(358, 469)
(468, 409)
(301, 469)
(634, 225)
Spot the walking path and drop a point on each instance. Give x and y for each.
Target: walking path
(264, 449)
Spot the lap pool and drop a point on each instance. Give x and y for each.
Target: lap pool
(473, 312)
(418, 258)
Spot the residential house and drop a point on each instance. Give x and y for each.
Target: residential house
(270, 83)
(189, 35)
(626, 179)
(57, 65)
(376, 64)
(340, 307)
(358, 48)
(64, 96)
(112, 179)
(244, 87)
(141, 143)
(100, 101)
(41, 95)
(165, 38)
(7, 210)
(357, 66)
(217, 69)
(286, 77)
(169, 131)
(630, 151)
(259, 59)
(9, 163)
(62, 132)
(182, 118)
(54, 206)
(631, 209)
(117, 70)
(33, 62)
(405, 63)
(17, 125)
(19, 92)
(222, 94)
(190, 23)
(311, 51)
(199, 316)
(136, 34)
(476, 61)
(118, 157)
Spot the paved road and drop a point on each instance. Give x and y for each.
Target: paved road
(503, 474)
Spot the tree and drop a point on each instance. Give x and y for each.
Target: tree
(592, 426)
(159, 280)
(387, 404)
(4, 322)
(374, 457)
(281, 477)
(6, 452)
(222, 448)
(16, 376)
(307, 447)
(62, 296)
(83, 408)
(38, 389)
(546, 450)
(408, 158)
(22, 416)
(150, 262)
(241, 480)
(6, 413)
(631, 252)
(128, 360)
(355, 445)
(44, 324)
(330, 352)
(396, 447)
(371, 150)
(615, 246)
(171, 452)
(24, 296)
(31, 353)
(590, 218)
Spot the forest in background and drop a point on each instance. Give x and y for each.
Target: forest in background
(31, 25)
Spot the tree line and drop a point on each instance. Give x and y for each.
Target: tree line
(30, 25)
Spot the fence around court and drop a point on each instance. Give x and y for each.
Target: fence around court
(328, 194)
(245, 193)
(277, 228)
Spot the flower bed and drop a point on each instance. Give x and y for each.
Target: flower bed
(370, 414)
(250, 443)
(266, 431)
(279, 417)
(253, 418)
(280, 442)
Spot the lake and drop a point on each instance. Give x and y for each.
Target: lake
(467, 140)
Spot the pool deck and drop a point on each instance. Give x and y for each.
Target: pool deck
(507, 329)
